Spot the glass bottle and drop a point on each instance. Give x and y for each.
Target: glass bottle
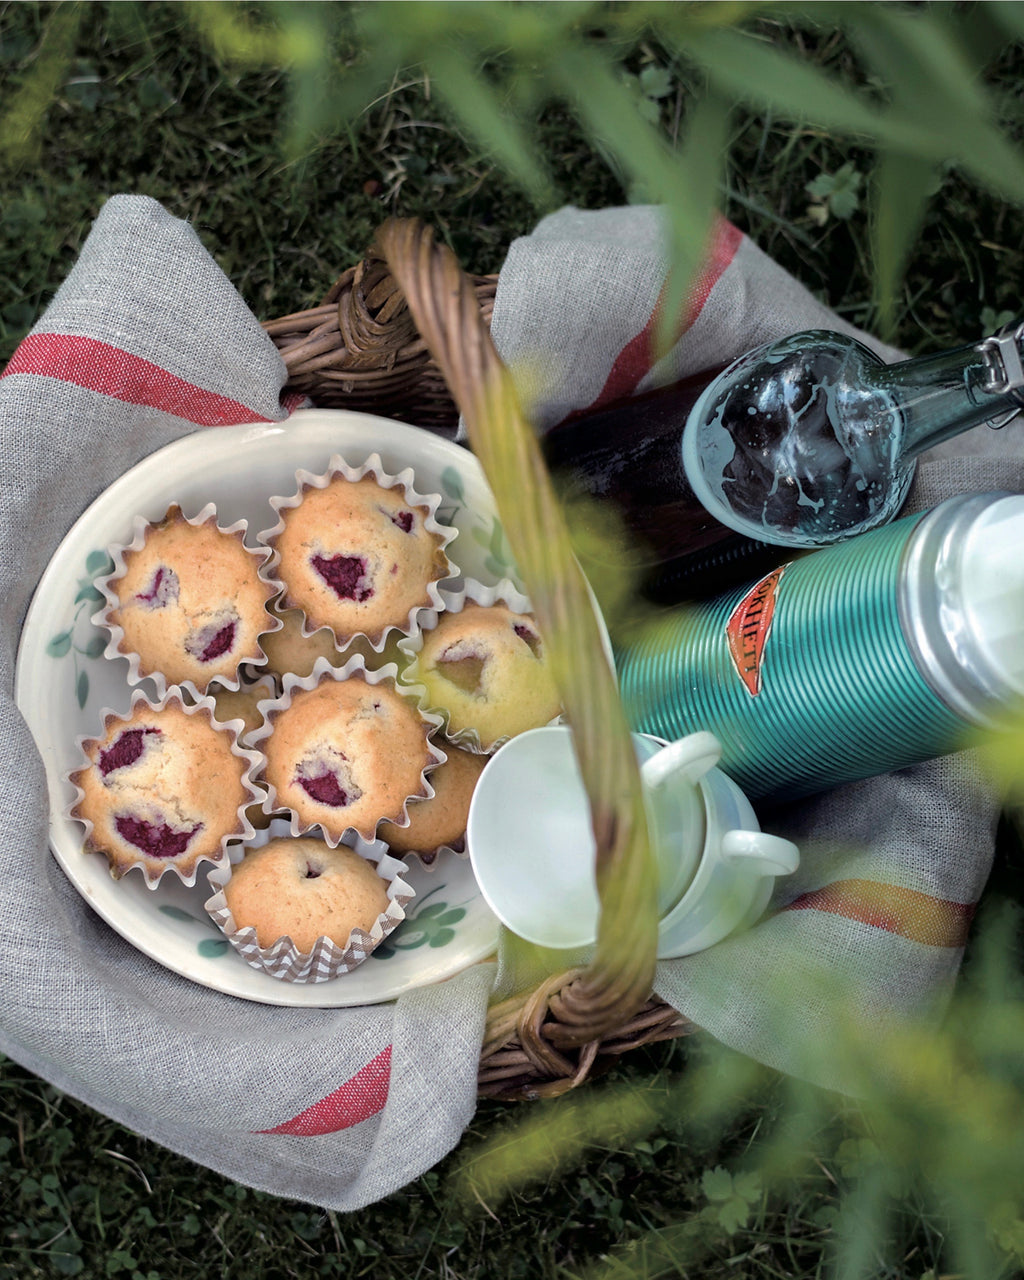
(798, 444)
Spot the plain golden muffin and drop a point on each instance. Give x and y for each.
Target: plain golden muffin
(346, 754)
(357, 557)
(303, 890)
(485, 667)
(290, 652)
(162, 789)
(441, 820)
(190, 602)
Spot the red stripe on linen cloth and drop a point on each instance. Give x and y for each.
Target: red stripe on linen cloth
(637, 357)
(356, 1100)
(98, 366)
(935, 922)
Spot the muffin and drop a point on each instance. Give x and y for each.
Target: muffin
(303, 889)
(358, 552)
(440, 821)
(484, 667)
(344, 750)
(303, 911)
(243, 704)
(163, 788)
(291, 651)
(186, 604)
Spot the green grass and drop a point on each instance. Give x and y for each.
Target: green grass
(143, 106)
(83, 1196)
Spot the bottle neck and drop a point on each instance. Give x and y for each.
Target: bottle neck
(938, 396)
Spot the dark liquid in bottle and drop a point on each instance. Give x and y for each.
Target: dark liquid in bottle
(802, 443)
(630, 455)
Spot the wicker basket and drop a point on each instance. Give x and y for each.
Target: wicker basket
(406, 334)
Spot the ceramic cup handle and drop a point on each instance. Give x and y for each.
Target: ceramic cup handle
(691, 757)
(772, 855)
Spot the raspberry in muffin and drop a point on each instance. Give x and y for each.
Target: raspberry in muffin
(162, 789)
(189, 603)
(485, 668)
(358, 556)
(345, 753)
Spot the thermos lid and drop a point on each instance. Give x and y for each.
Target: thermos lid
(992, 591)
(962, 603)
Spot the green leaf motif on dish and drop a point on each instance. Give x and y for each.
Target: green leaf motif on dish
(88, 593)
(80, 639)
(499, 556)
(177, 913)
(98, 563)
(451, 483)
(208, 948)
(431, 926)
(213, 948)
(59, 645)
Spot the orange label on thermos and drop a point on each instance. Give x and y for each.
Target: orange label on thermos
(748, 627)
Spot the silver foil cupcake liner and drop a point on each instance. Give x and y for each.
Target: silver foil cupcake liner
(327, 960)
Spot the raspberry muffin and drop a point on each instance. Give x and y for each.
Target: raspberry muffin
(343, 750)
(439, 822)
(485, 669)
(187, 605)
(358, 552)
(163, 789)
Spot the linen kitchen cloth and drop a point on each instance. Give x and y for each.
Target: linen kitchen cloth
(146, 342)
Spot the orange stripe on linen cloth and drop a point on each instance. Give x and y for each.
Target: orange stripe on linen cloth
(637, 357)
(935, 922)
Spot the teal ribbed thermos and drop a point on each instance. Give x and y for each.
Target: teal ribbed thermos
(867, 656)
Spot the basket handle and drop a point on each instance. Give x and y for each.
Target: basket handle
(444, 306)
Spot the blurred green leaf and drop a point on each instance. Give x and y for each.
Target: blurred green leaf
(25, 112)
(1009, 14)
(486, 119)
(655, 82)
(937, 92)
(153, 96)
(687, 183)
(555, 1135)
(749, 69)
(904, 185)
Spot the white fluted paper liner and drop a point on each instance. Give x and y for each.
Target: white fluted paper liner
(323, 670)
(327, 960)
(193, 704)
(263, 688)
(374, 467)
(104, 584)
(504, 592)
